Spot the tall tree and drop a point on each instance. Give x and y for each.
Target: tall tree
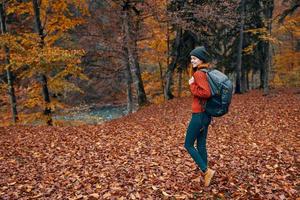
(131, 43)
(154, 48)
(129, 83)
(128, 72)
(10, 81)
(43, 77)
(239, 86)
(253, 55)
(267, 13)
(171, 67)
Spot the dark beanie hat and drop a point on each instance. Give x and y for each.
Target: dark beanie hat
(201, 53)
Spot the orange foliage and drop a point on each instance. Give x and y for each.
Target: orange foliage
(58, 17)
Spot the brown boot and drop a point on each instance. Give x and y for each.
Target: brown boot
(208, 176)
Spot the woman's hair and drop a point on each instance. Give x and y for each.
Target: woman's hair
(194, 69)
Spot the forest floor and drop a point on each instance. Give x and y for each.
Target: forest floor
(254, 150)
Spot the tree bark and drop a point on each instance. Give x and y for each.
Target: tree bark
(244, 80)
(161, 77)
(253, 83)
(142, 98)
(129, 83)
(131, 44)
(262, 73)
(129, 90)
(10, 81)
(239, 87)
(267, 70)
(12, 96)
(179, 82)
(254, 80)
(268, 60)
(247, 79)
(43, 77)
(168, 43)
(172, 65)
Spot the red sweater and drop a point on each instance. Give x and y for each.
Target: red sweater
(200, 90)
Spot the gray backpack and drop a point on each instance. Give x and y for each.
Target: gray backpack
(221, 89)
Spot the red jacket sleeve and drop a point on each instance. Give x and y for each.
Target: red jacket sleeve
(200, 87)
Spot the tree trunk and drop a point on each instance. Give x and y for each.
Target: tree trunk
(12, 96)
(168, 55)
(142, 98)
(262, 75)
(179, 82)
(268, 60)
(129, 90)
(131, 44)
(10, 81)
(43, 78)
(267, 70)
(46, 96)
(239, 87)
(172, 65)
(161, 77)
(129, 82)
(262, 56)
(243, 80)
(168, 43)
(247, 80)
(253, 84)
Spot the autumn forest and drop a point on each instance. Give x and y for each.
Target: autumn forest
(95, 98)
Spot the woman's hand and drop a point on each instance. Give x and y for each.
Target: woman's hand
(192, 80)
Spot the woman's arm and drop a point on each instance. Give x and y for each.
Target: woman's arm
(200, 86)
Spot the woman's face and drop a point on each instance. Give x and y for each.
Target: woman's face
(195, 61)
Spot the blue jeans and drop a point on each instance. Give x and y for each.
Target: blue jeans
(197, 130)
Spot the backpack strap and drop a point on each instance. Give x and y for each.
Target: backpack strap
(204, 70)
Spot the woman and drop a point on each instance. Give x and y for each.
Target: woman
(198, 126)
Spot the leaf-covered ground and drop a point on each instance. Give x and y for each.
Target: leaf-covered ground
(254, 150)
